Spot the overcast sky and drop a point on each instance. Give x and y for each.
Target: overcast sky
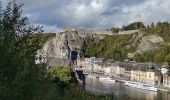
(55, 15)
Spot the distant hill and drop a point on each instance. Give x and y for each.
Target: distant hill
(151, 43)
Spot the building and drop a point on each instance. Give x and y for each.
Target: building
(166, 75)
(127, 66)
(108, 68)
(120, 70)
(146, 74)
(166, 80)
(113, 68)
(164, 69)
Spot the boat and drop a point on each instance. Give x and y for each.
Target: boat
(91, 76)
(141, 86)
(106, 79)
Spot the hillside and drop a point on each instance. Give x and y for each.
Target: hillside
(146, 44)
(151, 43)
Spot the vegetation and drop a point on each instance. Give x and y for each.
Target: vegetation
(117, 47)
(62, 77)
(114, 30)
(22, 79)
(134, 26)
(162, 53)
(111, 47)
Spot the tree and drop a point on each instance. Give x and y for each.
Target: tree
(124, 28)
(63, 77)
(114, 30)
(134, 26)
(61, 74)
(18, 74)
(148, 56)
(167, 59)
(159, 57)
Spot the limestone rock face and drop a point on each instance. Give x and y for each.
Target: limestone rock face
(64, 48)
(60, 47)
(147, 43)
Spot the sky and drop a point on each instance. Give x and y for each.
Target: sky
(55, 15)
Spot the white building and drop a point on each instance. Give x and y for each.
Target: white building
(164, 69)
(166, 80)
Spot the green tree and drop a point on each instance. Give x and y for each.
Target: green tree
(159, 58)
(18, 74)
(61, 74)
(167, 59)
(63, 77)
(134, 26)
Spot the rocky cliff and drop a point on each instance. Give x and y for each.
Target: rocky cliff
(63, 49)
(147, 43)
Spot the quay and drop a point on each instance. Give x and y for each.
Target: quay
(120, 80)
(160, 88)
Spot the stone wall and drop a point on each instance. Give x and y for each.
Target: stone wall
(128, 32)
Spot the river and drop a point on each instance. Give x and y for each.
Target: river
(95, 86)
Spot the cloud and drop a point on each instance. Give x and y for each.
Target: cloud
(55, 15)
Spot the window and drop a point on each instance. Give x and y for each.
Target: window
(164, 82)
(164, 77)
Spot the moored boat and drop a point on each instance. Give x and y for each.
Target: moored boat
(106, 79)
(141, 85)
(91, 76)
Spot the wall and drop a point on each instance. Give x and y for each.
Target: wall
(128, 32)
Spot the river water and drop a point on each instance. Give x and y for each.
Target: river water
(95, 86)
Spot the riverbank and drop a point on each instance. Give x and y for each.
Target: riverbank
(160, 88)
(164, 89)
(94, 86)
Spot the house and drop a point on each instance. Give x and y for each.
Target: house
(127, 66)
(146, 74)
(166, 75)
(113, 69)
(102, 67)
(120, 70)
(87, 63)
(166, 80)
(108, 68)
(164, 69)
(98, 67)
